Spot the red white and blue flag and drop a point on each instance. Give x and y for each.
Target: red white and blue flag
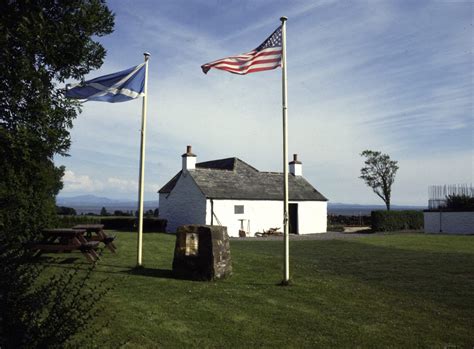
(267, 56)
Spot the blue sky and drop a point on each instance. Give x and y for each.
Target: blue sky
(394, 76)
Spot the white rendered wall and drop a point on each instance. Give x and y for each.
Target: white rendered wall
(188, 163)
(450, 222)
(184, 205)
(296, 169)
(312, 215)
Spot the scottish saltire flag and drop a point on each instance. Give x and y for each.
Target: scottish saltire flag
(267, 56)
(117, 87)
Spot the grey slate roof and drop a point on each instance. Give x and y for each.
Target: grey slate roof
(232, 178)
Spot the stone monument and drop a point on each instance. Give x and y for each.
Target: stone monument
(202, 252)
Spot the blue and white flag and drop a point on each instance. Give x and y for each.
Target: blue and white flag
(117, 87)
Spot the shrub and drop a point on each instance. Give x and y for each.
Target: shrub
(113, 223)
(460, 202)
(348, 220)
(122, 213)
(39, 309)
(130, 224)
(335, 227)
(66, 211)
(71, 221)
(396, 220)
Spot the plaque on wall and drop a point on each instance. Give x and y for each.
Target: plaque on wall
(192, 244)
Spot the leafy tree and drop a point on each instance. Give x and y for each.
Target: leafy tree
(121, 213)
(149, 213)
(42, 43)
(65, 211)
(103, 212)
(379, 174)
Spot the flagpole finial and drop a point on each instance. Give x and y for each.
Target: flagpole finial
(147, 55)
(283, 18)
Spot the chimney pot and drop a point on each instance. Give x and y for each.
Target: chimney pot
(296, 167)
(189, 159)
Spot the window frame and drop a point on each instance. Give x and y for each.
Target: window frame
(239, 209)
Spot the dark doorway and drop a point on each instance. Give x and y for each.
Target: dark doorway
(293, 213)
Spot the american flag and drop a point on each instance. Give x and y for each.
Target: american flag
(267, 56)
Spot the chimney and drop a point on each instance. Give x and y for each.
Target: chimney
(189, 159)
(296, 167)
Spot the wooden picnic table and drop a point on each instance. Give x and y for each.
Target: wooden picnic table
(66, 240)
(100, 235)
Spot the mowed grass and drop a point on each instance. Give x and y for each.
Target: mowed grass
(400, 290)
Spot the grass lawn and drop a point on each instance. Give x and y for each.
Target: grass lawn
(400, 290)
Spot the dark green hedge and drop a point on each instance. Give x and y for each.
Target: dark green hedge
(113, 223)
(349, 220)
(396, 220)
(70, 221)
(130, 224)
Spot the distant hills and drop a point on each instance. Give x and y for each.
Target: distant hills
(93, 204)
(95, 200)
(86, 200)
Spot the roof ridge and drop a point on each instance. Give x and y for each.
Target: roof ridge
(212, 169)
(242, 161)
(229, 164)
(231, 157)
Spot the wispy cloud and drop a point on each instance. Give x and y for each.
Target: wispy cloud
(111, 186)
(393, 76)
(74, 183)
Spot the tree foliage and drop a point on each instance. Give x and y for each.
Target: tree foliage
(42, 43)
(41, 310)
(379, 174)
(65, 211)
(460, 202)
(104, 212)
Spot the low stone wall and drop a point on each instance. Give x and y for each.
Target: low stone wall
(440, 222)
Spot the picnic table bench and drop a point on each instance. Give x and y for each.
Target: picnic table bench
(65, 240)
(100, 235)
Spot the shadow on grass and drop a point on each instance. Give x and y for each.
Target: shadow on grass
(69, 263)
(151, 272)
(50, 260)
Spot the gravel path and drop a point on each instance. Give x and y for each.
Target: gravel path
(330, 235)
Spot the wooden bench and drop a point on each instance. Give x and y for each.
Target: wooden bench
(100, 235)
(65, 240)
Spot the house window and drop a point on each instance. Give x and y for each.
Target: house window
(239, 209)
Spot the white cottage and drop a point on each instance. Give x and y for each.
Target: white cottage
(232, 193)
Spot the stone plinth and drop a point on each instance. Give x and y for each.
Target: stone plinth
(202, 252)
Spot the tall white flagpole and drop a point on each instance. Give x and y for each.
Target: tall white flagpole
(286, 274)
(142, 166)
